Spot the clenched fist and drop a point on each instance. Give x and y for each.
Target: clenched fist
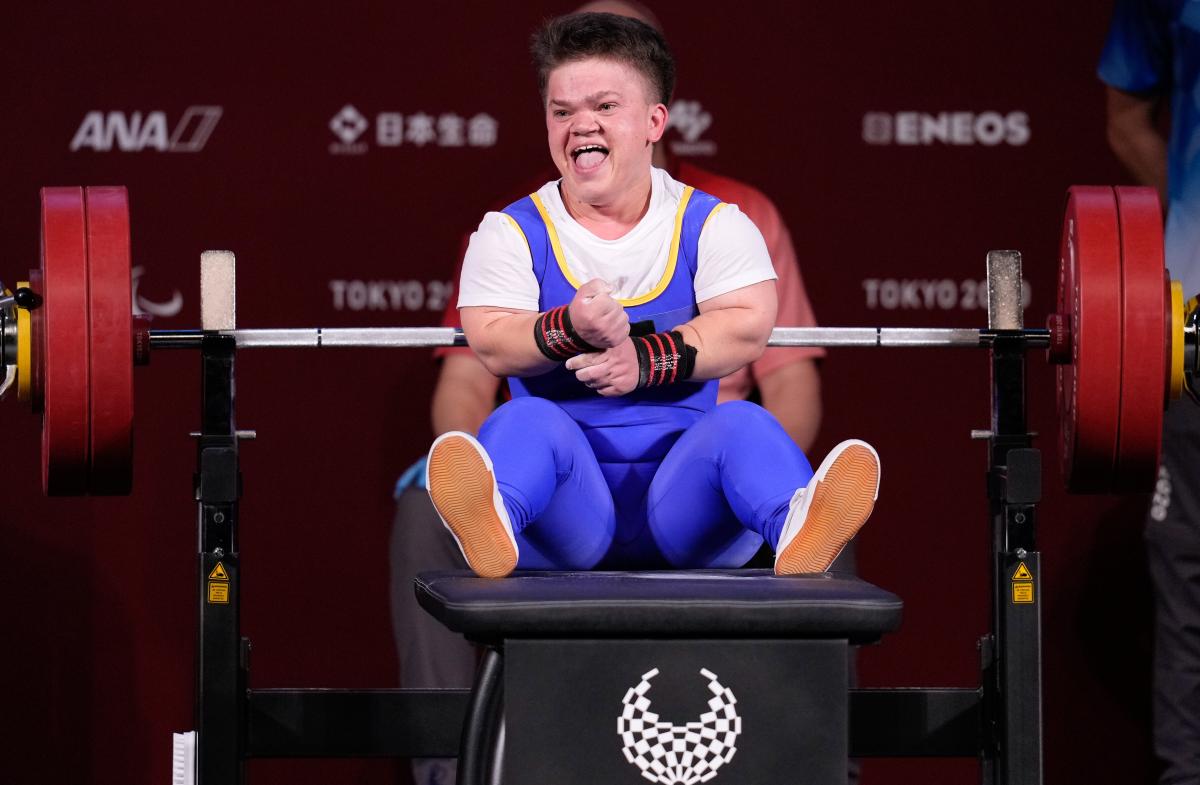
(597, 317)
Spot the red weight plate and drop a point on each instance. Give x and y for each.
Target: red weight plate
(1089, 290)
(111, 336)
(65, 355)
(1144, 360)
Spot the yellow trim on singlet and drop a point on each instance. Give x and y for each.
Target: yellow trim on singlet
(520, 231)
(708, 218)
(672, 255)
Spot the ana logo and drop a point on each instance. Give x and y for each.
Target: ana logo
(691, 121)
(679, 754)
(135, 132)
(947, 128)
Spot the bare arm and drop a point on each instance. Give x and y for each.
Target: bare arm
(502, 338)
(464, 396)
(1134, 137)
(732, 329)
(792, 393)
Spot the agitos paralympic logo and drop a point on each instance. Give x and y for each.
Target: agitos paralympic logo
(691, 120)
(134, 132)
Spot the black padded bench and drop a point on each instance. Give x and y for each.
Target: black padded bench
(734, 676)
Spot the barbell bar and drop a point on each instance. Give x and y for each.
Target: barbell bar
(432, 337)
(1121, 338)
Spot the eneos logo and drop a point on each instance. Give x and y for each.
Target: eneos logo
(946, 128)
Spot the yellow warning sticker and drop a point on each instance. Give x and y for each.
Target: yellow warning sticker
(1022, 592)
(1022, 573)
(218, 593)
(218, 573)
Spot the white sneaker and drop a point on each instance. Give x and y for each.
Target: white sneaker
(462, 485)
(827, 513)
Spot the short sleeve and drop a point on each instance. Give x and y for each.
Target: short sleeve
(732, 254)
(1137, 52)
(497, 268)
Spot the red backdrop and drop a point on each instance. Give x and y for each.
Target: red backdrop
(901, 143)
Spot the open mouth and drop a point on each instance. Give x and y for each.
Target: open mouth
(589, 156)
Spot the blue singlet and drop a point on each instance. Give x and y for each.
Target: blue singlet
(658, 477)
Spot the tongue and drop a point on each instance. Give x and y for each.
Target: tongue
(590, 159)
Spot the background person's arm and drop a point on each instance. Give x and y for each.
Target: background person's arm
(464, 396)
(788, 379)
(1135, 139)
(792, 393)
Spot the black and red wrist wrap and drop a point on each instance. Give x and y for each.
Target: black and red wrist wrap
(555, 336)
(663, 358)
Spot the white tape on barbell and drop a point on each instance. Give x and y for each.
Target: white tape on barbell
(218, 291)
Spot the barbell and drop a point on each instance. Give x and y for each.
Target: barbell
(1121, 338)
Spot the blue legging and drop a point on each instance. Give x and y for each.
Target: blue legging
(721, 489)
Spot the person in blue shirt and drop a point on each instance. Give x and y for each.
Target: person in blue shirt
(1151, 67)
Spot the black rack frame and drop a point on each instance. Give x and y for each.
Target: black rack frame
(998, 721)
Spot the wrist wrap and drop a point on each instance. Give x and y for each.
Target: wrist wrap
(663, 358)
(555, 336)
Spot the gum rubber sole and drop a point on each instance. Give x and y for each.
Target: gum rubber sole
(841, 503)
(463, 490)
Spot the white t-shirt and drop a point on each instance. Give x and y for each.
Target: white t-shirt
(498, 269)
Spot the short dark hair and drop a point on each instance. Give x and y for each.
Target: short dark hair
(631, 41)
